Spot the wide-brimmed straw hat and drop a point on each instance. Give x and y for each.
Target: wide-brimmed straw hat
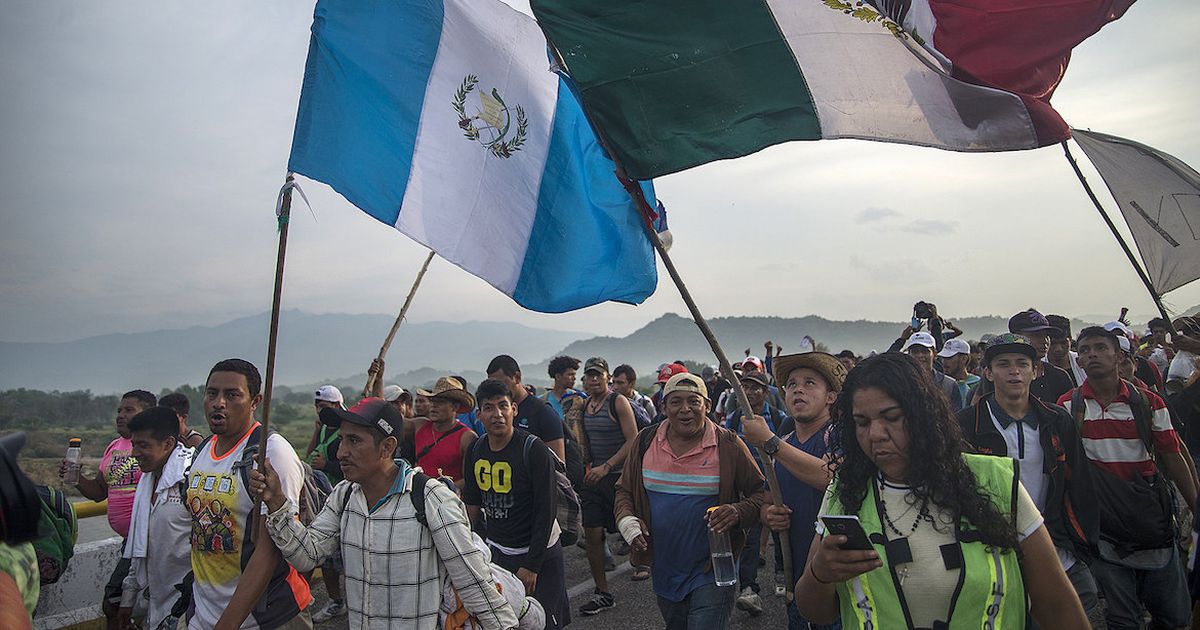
(450, 389)
(822, 363)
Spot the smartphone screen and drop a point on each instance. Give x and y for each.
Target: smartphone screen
(851, 528)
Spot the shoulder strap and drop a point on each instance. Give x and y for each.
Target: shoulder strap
(419, 481)
(525, 449)
(645, 437)
(249, 451)
(612, 407)
(1078, 408)
(1139, 404)
(425, 451)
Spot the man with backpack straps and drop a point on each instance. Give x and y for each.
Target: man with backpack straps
(1128, 437)
(240, 579)
(441, 443)
(511, 491)
(394, 562)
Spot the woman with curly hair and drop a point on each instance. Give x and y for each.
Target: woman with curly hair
(957, 542)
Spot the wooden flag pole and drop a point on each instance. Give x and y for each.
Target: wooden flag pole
(1117, 235)
(284, 215)
(387, 343)
(635, 191)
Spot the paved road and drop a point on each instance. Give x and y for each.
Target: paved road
(636, 605)
(94, 528)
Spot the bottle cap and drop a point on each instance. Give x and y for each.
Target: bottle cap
(74, 442)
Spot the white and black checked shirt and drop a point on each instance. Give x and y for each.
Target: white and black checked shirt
(394, 567)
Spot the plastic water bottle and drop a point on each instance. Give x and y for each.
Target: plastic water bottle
(71, 477)
(724, 569)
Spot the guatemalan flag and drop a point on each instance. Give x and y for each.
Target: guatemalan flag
(444, 119)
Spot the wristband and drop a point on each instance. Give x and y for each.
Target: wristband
(814, 576)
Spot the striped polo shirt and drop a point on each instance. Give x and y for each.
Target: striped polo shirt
(680, 489)
(1110, 436)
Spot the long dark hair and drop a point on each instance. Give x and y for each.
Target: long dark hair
(937, 473)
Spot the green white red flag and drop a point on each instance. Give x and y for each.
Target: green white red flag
(672, 84)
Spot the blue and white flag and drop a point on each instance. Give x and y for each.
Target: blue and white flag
(444, 119)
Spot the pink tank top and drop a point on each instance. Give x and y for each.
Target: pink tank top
(121, 473)
(444, 458)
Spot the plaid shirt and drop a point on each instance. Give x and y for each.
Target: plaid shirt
(394, 567)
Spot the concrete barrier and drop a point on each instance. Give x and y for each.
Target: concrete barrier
(75, 598)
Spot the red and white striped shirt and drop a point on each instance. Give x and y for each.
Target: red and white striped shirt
(1110, 436)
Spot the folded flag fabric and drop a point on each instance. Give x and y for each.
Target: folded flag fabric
(444, 119)
(1159, 197)
(673, 85)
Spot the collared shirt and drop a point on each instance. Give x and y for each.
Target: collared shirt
(680, 489)
(394, 567)
(1110, 435)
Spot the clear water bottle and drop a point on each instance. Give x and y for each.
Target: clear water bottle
(724, 569)
(71, 476)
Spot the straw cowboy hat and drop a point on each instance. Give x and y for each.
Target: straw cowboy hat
(452, 390)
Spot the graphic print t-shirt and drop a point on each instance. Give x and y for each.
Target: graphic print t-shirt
(121, 474)
(221, 546)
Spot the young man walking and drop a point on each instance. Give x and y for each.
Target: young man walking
(684, 477)
(1042, 438)
(241, 580)
(562, 371)
(394, 561)
(955, 356)
(532, 414)
(160, 525)
(1128, 437)
(606, 427)
(811, 382)
(511, 493)
(117, 481)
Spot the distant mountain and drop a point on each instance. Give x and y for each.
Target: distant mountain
(312, 348)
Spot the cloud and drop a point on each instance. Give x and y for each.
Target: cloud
(873, 215)
(930, 227)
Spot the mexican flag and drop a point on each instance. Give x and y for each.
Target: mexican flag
(672, 85)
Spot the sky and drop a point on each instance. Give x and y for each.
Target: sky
(142, 145)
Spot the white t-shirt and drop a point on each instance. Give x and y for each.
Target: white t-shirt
(219, 505)
(925, 583)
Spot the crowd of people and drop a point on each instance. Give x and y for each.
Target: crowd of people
(1032, 478)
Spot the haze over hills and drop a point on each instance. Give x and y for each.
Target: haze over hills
(338, 348)
(311, 348)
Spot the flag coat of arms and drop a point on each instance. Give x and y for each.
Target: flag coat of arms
(444, 119)
(676, 84)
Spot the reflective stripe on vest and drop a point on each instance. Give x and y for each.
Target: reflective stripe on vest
(990, 591)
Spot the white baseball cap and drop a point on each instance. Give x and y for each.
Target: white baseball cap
(329, 393)
(392, 393)
(953, 347)
(919, 339)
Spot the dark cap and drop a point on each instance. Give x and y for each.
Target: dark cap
(756, 377)
(375, 413)
(595, 364)
(1009, 343)
(1030, 321)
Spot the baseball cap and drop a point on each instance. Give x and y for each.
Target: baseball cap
(953, 347)
(392, 393)
(1030, 321)
(375, 413)
(595, 364)
(919, 339)
(685, 382)
(756, 377)
(822, 363)
(752, 360)
(329, 393)
(669, 370)
(1008, 343)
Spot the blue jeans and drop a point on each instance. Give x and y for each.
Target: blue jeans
(796, 621)
(706, 608)
(1164, 593)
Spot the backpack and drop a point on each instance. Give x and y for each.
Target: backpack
(58, 531)
(313, 492)
(641, 417)
(569, 513)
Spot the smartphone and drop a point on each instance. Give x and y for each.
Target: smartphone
(851, 528)
(917, 324)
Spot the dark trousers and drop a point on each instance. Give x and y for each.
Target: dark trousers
(551, 589)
